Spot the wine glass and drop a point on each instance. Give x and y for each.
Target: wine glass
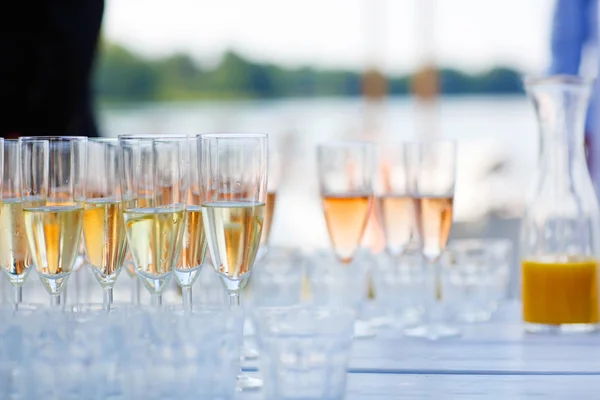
(194, 243)
(394, 204)
(272, 186)
(14, 251)
(53, 171)
(346, 183)
(233, 176)
(154, 179)
(103, 227)
(432, 177)
(394, 201)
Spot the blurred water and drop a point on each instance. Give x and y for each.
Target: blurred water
(493, 134)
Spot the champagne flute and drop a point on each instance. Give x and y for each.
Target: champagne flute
(103, 227)
(233, 176)
(432, 178)
(394, 205)
(194, 240)
(53, 197)
(346, 183)
(393, 198)
(154, 180)
(272, 186)
(14, 251)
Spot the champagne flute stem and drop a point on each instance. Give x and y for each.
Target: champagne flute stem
(137, 288)
(55, 300)
(107, 299)
(18, 294)
(157, 300)
(186, 298)
(234, 300)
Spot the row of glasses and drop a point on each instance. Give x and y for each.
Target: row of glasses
(414, 186)
(69, 186)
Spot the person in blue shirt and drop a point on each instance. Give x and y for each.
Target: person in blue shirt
(574, 43)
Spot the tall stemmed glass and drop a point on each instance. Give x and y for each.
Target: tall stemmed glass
(154, 181)
(432, 177)
(194, 240)
(395, 207)
(233, 176)
(103, 227)
(393, 198)
(346, 183)
(272, 186)
(14, 251)
(53, 197)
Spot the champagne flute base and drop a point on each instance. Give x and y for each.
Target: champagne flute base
(364, 330)
(249, 353)
(433, 331)
(246, 383)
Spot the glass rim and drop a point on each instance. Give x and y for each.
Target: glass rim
(53, 138)
(231, 135)
(104, 140)
(149, 137)
(346, 143)
(568, 79)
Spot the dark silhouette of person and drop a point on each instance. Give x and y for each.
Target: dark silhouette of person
(48, 49)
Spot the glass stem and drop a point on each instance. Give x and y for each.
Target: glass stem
(186, 298)
(55, 300)
(157, 300)
(107, 298)
(138, 291)
(18, 294)
(234, 300)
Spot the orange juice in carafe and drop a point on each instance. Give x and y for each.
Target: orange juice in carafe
(560, 290)
(560, 230)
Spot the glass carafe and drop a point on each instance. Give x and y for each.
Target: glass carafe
(560, 230)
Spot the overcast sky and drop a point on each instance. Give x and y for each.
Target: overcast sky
(469, 34)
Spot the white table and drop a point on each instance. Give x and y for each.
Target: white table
(490, 360)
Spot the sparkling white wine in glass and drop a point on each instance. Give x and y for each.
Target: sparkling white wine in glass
(233, 179)
(53, 233)
(154, 237)
(269, 211)
(194, 245)
(14, 251)
(398, 218)
(104, 236)
(154, 185)
(346, 217)
(233, 230)
(53, 181)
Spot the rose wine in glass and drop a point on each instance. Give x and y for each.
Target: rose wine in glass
(346, 184)
(432, 171)
(346, 217)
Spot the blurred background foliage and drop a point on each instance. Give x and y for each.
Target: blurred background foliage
(123, 75)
